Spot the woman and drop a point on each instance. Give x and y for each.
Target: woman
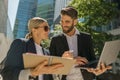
(14, 67)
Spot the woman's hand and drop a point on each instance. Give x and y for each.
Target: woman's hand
(43, 68)
(99, 70)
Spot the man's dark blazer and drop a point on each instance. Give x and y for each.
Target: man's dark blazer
(59, 45)
(14, 59)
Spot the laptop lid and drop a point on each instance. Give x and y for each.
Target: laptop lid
(110, 52)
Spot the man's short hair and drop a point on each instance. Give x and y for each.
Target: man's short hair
(70, 11)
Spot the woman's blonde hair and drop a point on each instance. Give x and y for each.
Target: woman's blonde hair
(34, 23)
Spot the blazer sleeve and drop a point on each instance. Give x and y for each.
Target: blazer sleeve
(14, 61)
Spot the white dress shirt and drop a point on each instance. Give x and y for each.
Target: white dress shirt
(75, 73)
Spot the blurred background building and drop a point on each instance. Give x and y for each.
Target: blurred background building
(26, 10)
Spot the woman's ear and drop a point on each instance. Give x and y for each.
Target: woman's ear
(33, 30)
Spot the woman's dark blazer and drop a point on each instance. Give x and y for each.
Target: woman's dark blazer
(59, 45)
(14, 59)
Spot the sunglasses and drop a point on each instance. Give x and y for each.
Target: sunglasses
(46, 28)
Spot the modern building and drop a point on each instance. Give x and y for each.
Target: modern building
(45, 9)
(26, 10)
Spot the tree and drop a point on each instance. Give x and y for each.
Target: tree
(96, 12)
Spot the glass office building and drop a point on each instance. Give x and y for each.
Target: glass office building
(45, 9)
(26, 10)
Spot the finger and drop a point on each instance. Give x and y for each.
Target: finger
(41, 65)
(90, 69)
(80, 62)
(109, 67)
(96, 71)
(82, 59)
(51, 71)
(67, 54)
(103, 66)
(55, 66)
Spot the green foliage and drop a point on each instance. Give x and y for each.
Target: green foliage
(99, 38)
(46, 43)
(96, 12)
(57, 29)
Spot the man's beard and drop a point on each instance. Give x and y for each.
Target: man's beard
(69, 30)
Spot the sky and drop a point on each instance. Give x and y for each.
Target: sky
(12, 11)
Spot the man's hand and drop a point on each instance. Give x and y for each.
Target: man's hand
(99, 70)
(80, 60)
(67, 54)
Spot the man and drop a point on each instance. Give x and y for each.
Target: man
(72, 39)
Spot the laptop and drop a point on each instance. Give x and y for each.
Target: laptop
(108, 56)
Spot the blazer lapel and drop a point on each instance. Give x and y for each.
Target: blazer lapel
(79, 45)
(31, 46)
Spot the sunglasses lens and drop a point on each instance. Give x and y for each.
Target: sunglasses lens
(46, 28)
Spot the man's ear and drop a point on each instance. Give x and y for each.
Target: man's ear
(75, 21)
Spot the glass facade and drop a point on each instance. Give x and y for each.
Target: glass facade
(45, 9)
(26, 10)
